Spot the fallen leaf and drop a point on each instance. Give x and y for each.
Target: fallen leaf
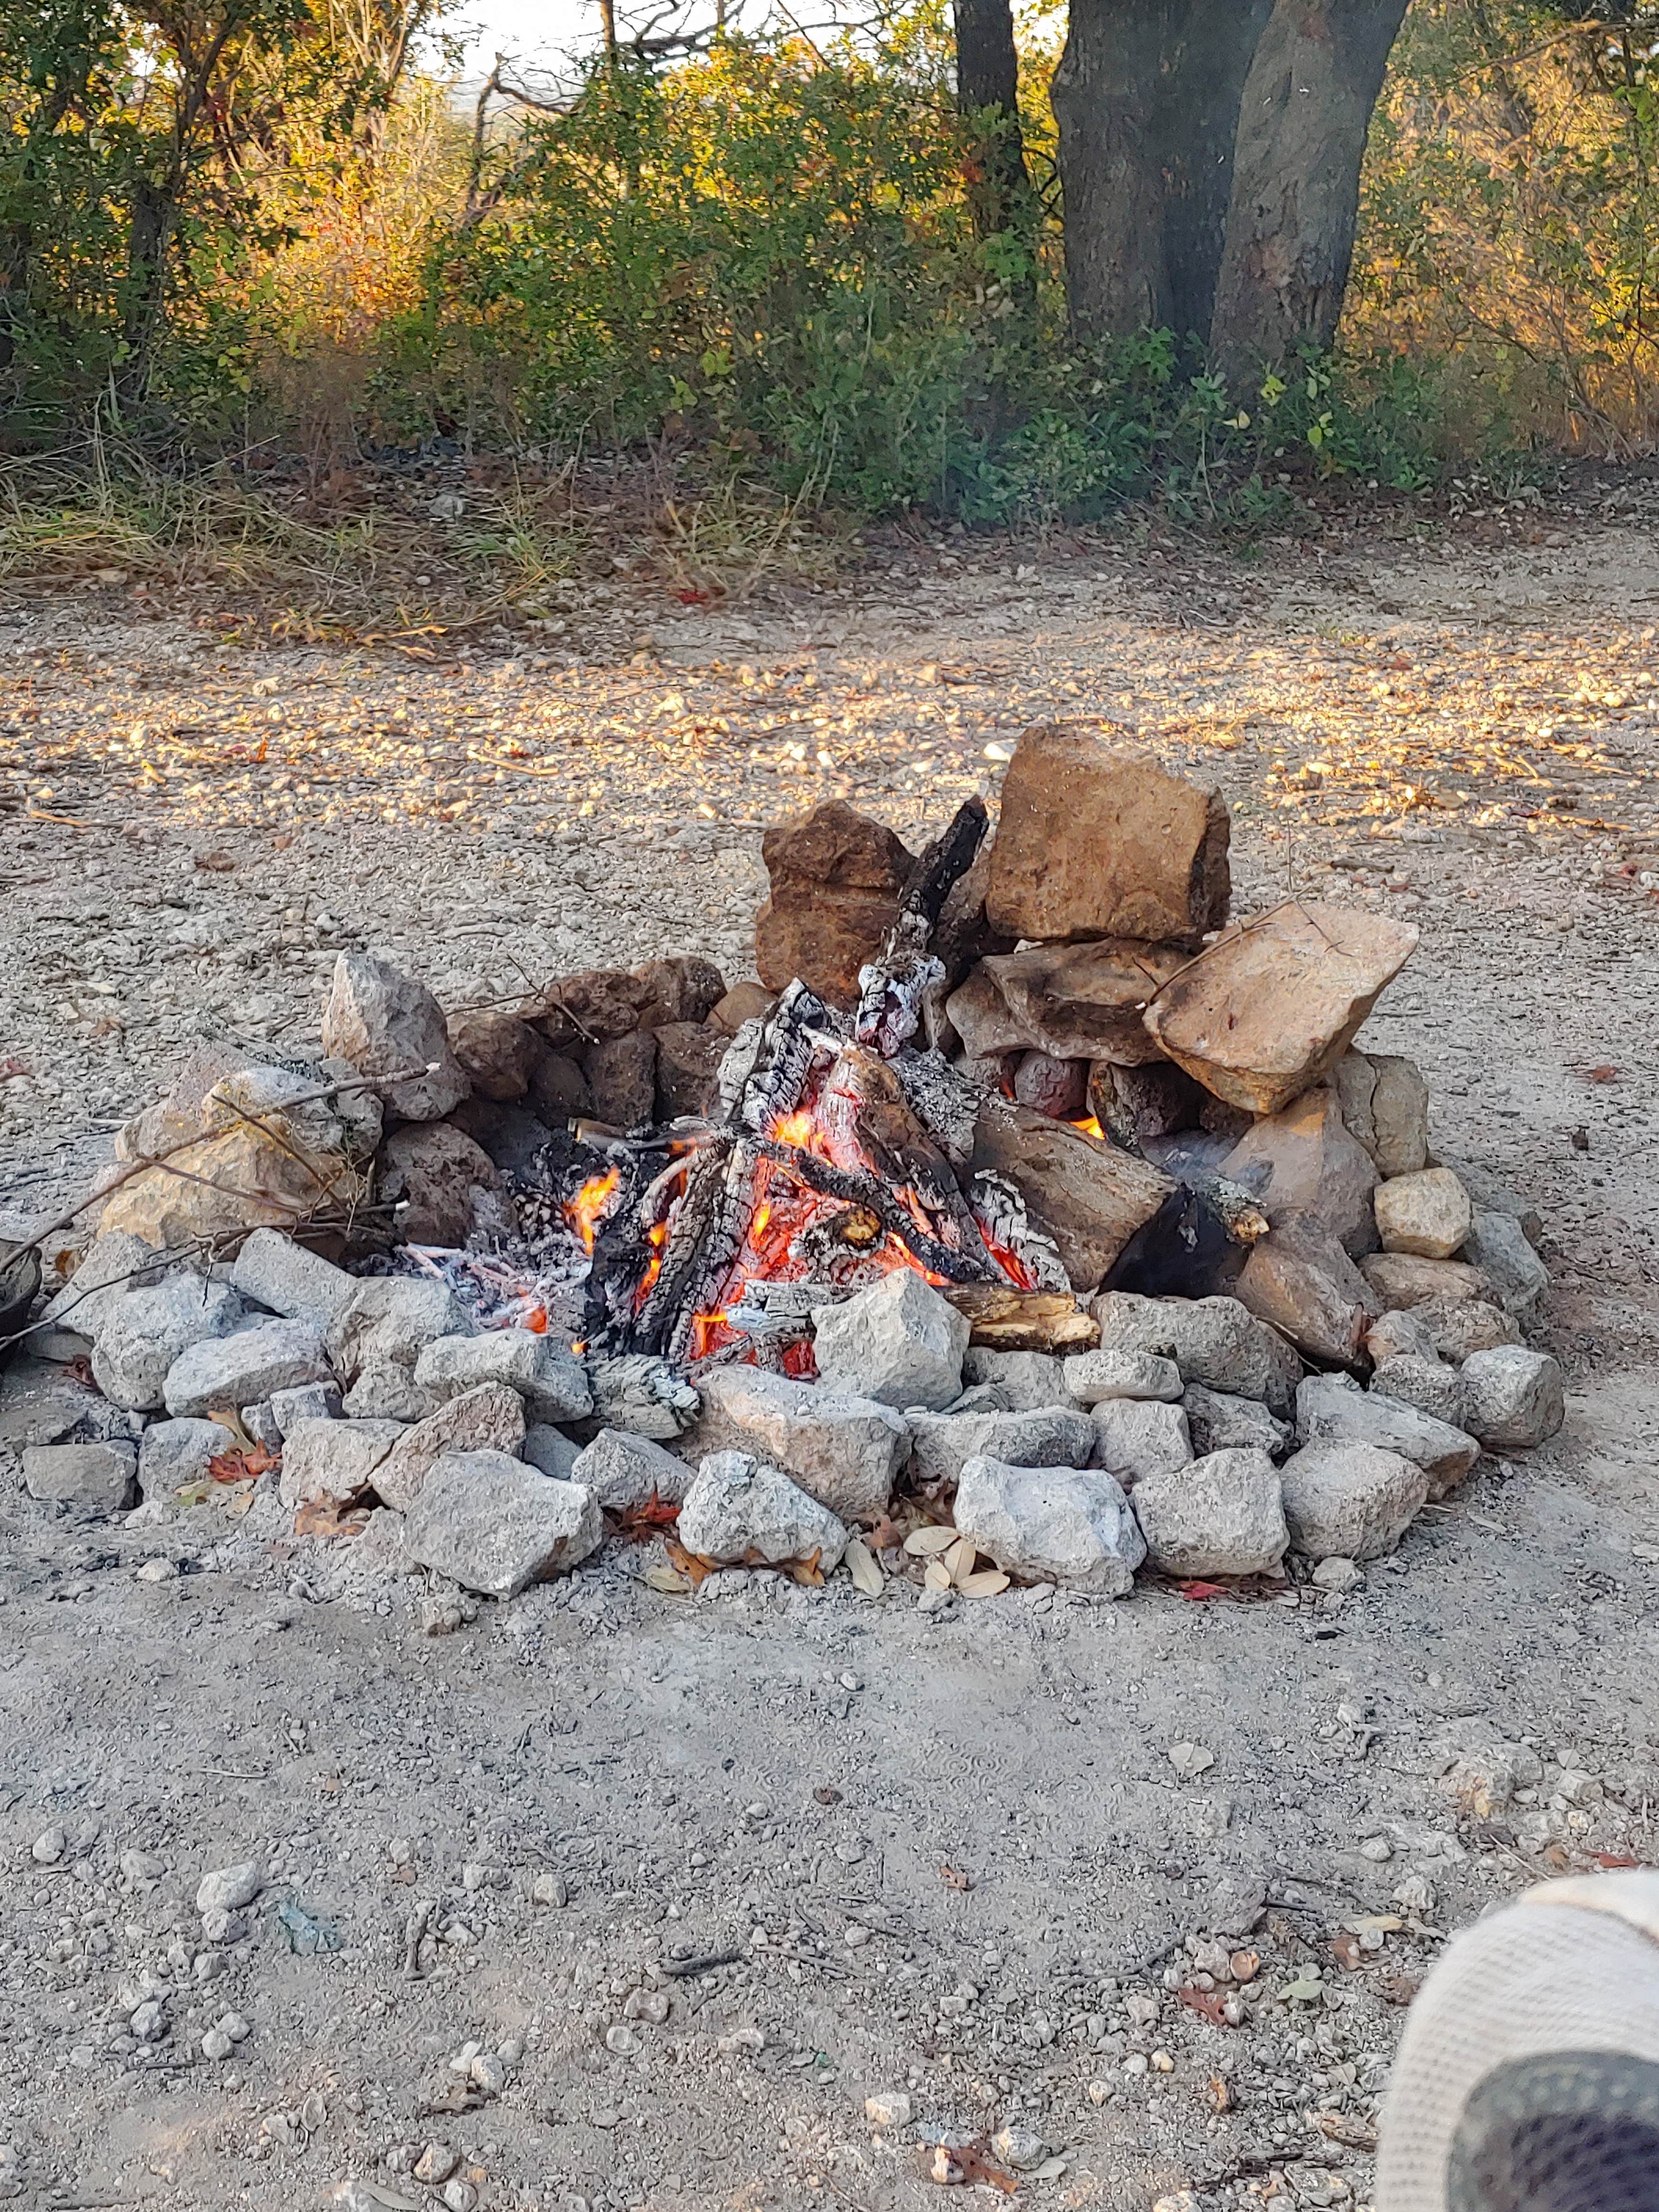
(1397, 1988)
(959, 1561)
(1344, 2128)
(238, 1435)
(862, 1565)
(1615, 1859)
(922, 1543)
(938, 1577)
(1345, 1949)
(954, 1879)
(694, 1569)
(243, 1466)
(825, 1795)
(991, 1582)
(807, 1572)
(1198, 1593)
(645, 1520)
(1603, 1073)
(1208, 2004)
(1386, 1923)
(660, 1575)
(1220, 2094)
(1245, 1966)
(954, 2165)
(1190, 1759)
(1305, 1990)
(321, 1516)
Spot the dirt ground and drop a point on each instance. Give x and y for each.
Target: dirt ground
(949, 1856)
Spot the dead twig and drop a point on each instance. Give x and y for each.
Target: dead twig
(112, 1179)
(684, 1969)
(414, 1928)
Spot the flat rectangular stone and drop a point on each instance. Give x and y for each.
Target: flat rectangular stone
(91, 1477)
(1274, 1004)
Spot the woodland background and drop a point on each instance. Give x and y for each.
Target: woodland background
(249, 248)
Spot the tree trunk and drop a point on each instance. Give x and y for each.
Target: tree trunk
(153, 209)
(1208, 67)
(1306, 109)
(1111, 168)
(1146, 98)
(987, 94)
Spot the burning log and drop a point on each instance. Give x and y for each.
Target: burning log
(1088, 1198)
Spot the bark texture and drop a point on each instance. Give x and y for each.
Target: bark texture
(1146, 97)
(1205, 72)
(988, 92)
(1105, 95)
(1302, 121)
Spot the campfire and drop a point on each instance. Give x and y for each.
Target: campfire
(1023, 1187)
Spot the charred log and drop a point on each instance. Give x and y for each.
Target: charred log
(894, 989)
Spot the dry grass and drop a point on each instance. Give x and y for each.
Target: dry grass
(364, 551)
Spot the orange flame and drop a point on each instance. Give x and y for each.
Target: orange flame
(586, 1209)
(657, 1237)
(1091, 1126)
(797, 1129)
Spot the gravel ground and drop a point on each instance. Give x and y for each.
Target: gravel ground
(953, 1855)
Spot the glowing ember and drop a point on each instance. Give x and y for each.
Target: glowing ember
(798, 1129)
(1091, 1126)
(585, 1211)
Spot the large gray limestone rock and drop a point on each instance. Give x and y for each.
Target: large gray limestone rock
(1350, 1501)
(334, 1462)
(495, 1526)
(547, 1375)
(1223, 1515)
(738, 1508)
(1135, 1438)
(1055, 1435)
(1215, 1341)
(842, 1450)
(87, 1478)
(141, 1332)
(384, 1023)
(897, 1342)
(488, 1419)
(233, 1372)
(1334, 1409)
(1513, 1397)
(1053, 1524)
(625, 1471)
(273, 1271)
